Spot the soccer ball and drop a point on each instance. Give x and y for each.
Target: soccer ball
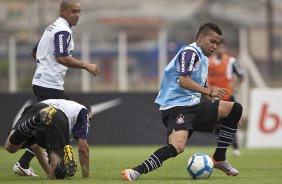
(200, 166)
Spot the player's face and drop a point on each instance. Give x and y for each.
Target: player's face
(72, 13)
(209, 42)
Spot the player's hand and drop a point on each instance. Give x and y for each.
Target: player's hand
(94, 69)
(218, 93)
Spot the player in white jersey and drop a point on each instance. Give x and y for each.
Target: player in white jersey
(184, 82)
(53, 55)
(50, 124)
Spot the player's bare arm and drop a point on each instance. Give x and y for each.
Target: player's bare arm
(71, 62)
(83, 152)
(187, 83)
(218, 93)
(40, 155)
(54, 160)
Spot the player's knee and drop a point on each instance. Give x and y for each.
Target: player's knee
(179, 145)
(10, 148)
(179, 149)
(234, 116)
(8, 145)
(237, 110)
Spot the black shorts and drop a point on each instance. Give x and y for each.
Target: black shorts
(29, 112)
(42, 93)
(201, 117)
(55, 136)
(52, 137)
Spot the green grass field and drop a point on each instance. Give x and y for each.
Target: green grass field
(256, 166)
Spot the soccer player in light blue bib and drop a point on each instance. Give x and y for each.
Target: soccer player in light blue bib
(183, 85)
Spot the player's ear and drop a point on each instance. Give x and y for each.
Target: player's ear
(90, 118)
(201, 37)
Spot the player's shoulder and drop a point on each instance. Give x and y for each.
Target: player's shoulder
(62, 25)
(189, 52)
(192, 49)
(189, 48)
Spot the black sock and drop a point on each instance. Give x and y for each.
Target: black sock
(228, 130)
(26, 158)
(225, 138)
(156, 159)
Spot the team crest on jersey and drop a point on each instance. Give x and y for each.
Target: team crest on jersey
(180, 119)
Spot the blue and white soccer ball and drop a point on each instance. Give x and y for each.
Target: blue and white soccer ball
(200, 166)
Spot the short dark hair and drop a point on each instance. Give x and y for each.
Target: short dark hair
(205, 28)
(64, 3)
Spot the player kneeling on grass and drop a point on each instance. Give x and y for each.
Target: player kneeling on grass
(184, 82)
(50, 124)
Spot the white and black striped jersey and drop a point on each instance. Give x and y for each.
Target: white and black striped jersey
(56, 42)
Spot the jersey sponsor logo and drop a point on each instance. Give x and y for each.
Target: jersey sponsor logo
(183, 62)
(192, 62)
(61, 44)
(180, 119)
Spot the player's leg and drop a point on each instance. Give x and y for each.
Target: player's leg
(229, 114)
(12, 147)
(42, 93)
(176, 145)
(151, 163)
(22, 167)
(23, 129)
(28, 122)
(236, 150)
(178, 127)
(56, 140)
